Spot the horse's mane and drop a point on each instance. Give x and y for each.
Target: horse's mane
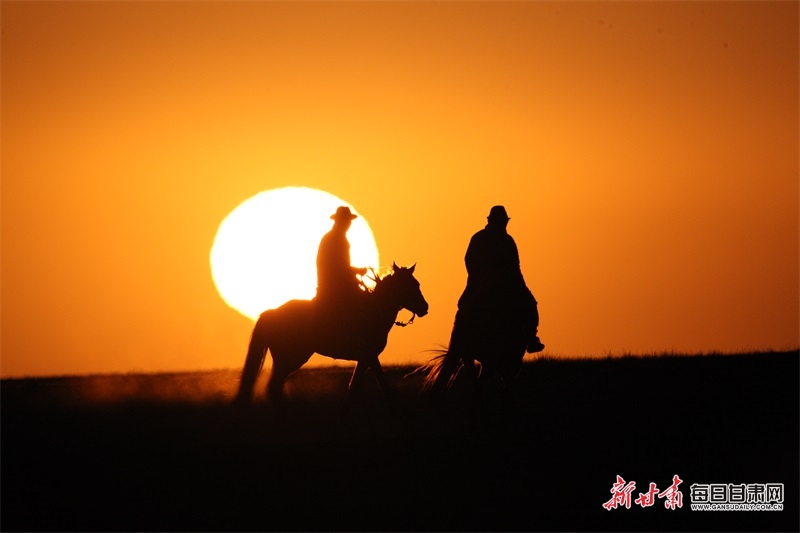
(382, 274)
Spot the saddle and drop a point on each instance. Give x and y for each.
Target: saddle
(340, 329)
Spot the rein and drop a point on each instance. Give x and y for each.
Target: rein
(373, 277)
(404, 324)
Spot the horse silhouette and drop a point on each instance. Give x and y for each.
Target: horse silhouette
(495, 338)
(497, 318)
(291, 335)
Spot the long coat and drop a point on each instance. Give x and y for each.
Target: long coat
(494, 277)
(336, 278)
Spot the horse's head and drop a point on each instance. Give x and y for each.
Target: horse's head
(403, 288)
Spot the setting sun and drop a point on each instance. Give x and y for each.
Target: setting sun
(264, 253)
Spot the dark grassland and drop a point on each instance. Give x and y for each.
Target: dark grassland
(167, 452)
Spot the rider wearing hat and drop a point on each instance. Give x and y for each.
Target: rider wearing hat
(335, 276)
(494, 277)
(339, 299)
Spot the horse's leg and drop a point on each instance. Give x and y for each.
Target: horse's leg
(471, 370)
(483, 400)
(275, 384)
(358, 372)
(283, 364)
(509, 372)
(377, 370)
(356, 377)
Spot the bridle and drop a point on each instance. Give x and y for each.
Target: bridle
(374, 277)
(404, 324)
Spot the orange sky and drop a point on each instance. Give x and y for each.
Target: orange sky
(647, 153)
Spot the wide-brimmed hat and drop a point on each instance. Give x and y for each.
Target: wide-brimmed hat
(498, 213)
(343, 212)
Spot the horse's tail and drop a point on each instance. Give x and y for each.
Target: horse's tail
(440, 371)
(256, 353)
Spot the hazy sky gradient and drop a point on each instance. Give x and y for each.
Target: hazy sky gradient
(647, 153)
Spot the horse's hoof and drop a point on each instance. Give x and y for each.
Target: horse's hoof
(240, 400)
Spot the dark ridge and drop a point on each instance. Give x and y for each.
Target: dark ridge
(167, 452)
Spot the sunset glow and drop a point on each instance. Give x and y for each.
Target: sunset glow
(646, 152)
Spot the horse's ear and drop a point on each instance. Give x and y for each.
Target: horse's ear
(394, 266)
(411, 270)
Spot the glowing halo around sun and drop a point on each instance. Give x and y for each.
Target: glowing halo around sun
(265, 250)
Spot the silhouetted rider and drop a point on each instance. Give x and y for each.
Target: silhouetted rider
(494, 277)
(339, 299)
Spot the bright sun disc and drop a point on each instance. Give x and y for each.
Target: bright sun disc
(265, 250)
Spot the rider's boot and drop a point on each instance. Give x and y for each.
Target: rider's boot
(534, 344)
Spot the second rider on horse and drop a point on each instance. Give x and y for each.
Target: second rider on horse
(495, 281)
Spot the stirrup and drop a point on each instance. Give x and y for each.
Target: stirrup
(535, 346)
